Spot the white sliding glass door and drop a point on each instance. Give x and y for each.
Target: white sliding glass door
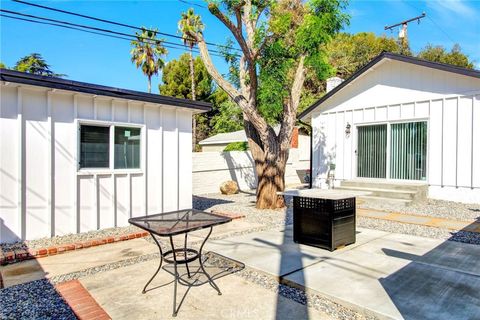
(399, 147)
(408, 151)
(372, 151)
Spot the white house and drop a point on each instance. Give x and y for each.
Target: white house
(400, 120)
(76, 157)
(218, 142)
(212, 166)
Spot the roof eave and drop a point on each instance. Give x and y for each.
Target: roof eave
(89, 88)
(389, 56)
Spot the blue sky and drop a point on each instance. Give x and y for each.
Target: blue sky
(96, 59)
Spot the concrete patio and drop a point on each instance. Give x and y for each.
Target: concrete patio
(387, 275)
(391, 276)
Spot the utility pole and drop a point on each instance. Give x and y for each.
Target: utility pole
(402, 33)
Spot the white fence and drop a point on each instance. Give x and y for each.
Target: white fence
(210, 169)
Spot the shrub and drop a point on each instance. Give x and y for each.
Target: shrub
(236, 146)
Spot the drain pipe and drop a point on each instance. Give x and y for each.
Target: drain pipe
(311, 151)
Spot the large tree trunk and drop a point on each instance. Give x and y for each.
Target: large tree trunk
(271, 179)
(269, 150)
(269, 167)
(149, 84)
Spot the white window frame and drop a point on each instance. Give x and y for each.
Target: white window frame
(111, 167)
(389, 123)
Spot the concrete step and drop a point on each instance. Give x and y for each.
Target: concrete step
(385, 193)
(382, 200)
(379, 184)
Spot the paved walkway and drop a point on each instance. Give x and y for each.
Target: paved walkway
(119, 293)
(74, 261)
(443, 223)
(393, 276)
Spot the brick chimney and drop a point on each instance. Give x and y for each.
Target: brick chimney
(294, 143)
(333, 82)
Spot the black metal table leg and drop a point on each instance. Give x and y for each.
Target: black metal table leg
(159, 266)
(210, 280)
(176, 279)
(185, 255)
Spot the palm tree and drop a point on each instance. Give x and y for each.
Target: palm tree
(191, 23)
(34, 63)
(147, 53)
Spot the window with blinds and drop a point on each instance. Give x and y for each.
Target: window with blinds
(408, 151)
(372, 151)
(95, 142)
(94, 146)
(127, 148)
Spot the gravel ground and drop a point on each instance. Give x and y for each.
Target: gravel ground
(433, 208)
(33, 300)
(417, 230)
(70, 238)
(245, 203)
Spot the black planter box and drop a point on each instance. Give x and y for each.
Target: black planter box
(324, 223)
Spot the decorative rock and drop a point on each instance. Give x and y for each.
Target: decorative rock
(229, 187)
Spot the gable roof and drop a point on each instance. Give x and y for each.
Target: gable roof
(225, 138)
(77, 86)
(228, 137)
(391, 56)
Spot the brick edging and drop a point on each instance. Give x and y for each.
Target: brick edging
(81, 301)
(233, 215)
(22, 254)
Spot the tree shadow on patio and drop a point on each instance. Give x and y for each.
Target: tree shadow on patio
(216, 265)
(442, 283)
(203, 203)
(291, 261)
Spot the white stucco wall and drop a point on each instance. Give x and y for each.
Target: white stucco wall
(395, 92)
(213, 147)
(44, 194)
(210, 169)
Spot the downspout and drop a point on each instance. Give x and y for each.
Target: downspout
(311, 151)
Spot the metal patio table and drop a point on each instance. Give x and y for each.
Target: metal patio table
(174, 223)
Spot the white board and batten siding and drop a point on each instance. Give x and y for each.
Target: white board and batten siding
(393, 92)
(43, 193)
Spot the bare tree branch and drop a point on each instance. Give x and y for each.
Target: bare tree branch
(249, 26)
(291, 106)
(246, 105)
(238, 15)
(237, 32)
(243, 77)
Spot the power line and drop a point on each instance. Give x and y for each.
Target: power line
(94, 28)
(112, 22)
(433, 21)
(81, 26)
(62, 26)
(174, 46)
(193, 4)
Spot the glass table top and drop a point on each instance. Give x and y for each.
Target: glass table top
(177, 222)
